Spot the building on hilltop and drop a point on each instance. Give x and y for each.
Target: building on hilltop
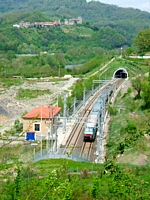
(26, 24)
(16, 25)
(37, 24)
(46, 24)
(73, 21)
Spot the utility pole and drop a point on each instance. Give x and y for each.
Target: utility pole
(84, 96)
(64, 114)
(74, 106)
(56, 135)
(52, 122)
(92, 88)
(41, 133)
(50, 128)
(103, 116)
(98, 140)
(48, 139)
(100, 132)
(121, 52)
(59, 71)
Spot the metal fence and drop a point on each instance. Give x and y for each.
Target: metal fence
(49, 153)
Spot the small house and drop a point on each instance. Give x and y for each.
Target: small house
(40, 122)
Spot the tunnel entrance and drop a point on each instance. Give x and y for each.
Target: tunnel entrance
(121, 73)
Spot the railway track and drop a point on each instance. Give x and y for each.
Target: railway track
(75, 141)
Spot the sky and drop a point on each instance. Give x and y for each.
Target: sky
(143, 5)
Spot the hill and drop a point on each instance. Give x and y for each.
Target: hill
(95, 12)
(103, 19)
(104, 28)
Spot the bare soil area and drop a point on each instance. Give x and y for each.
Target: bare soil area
(12, 109)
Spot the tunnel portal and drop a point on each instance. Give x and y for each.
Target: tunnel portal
(121, 73)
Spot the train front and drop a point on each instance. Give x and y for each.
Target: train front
(89, 133)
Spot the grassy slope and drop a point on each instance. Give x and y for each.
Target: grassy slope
(138, 152)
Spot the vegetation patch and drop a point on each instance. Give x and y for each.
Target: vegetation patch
(28, 94)
(128, 128)
(8, 82)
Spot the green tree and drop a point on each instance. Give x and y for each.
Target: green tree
(146, 94)
(112, 110)
(137, 85)
(95, 188)
(129, 50)
(78, 90)
(142, 41)
(60, 60)
(18, 126)
(17, 184)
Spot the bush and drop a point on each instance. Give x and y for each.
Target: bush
(112, 110)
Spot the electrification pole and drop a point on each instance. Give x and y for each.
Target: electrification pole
(48, 139)
(74, 106)
(84, 96)
(64, 114)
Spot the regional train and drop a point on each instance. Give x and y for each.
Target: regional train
(91, 125)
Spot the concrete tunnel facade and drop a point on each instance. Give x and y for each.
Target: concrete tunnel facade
(121, 73)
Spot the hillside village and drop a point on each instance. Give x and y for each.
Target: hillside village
(67, 22)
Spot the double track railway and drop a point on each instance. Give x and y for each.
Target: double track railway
(75, 141)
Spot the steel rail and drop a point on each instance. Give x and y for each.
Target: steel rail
(76, 133)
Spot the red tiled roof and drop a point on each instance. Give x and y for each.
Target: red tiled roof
(44, 112)
(46, 23)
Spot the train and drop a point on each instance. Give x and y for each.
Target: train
(91, 125)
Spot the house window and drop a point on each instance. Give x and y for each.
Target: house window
(37, 127)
